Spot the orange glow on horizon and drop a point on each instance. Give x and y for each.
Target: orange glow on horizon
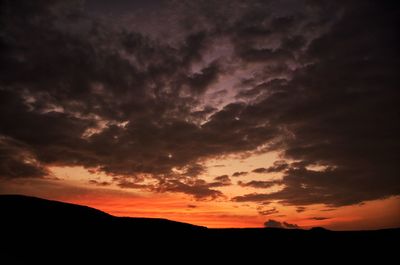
(221, 213)
(177, 208)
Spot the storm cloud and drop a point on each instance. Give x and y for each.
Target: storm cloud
(148, 105)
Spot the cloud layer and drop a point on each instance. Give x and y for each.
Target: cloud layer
(149, 104)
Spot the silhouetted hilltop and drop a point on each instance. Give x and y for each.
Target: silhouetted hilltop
(24, 209)
(30, 223)
(58, 224)
(28, 211)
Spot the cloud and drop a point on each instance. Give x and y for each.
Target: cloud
(239, 173)
(276, 224)
(223, 180)
(327, 109)
(260, 170)
(17, 162)
(220, 181)
(319, 218)
(268, 211)
(333, 125)
(183, 182)
(198, 82)
(301, 209)
(252, 197)
(199, 189)
(99, 183)
(76, 90)
(260, 184)
(278, 166)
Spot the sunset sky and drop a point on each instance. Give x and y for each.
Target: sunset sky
(221, 113)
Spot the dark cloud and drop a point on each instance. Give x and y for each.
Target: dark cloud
(276, 224)
(260, 170)
(239, 173)
(99, 183)
(182, 183)
(198, 82)
(306, 80)
(18, 162)
(255, 197)
(264, 89)
(278, 166)
(266, 55)
(319, 218)
(220, 181)
(260, 184)
(268, 211)
(223, 179)
(339, 113)
(197, 188)
(301, 209)
(133, 184)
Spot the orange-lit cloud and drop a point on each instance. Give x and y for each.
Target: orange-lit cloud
(213, 214)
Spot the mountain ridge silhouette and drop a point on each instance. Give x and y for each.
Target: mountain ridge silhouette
(20, 205)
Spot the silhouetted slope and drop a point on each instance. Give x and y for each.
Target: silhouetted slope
(29, 224)
(24, 209)
(30, 212)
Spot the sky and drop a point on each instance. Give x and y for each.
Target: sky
(281, 113)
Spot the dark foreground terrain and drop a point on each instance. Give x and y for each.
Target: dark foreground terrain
(33, 226)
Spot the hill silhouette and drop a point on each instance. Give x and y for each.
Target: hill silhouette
(32, 224)
(28, 212)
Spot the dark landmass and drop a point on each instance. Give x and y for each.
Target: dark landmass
(31, 224)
